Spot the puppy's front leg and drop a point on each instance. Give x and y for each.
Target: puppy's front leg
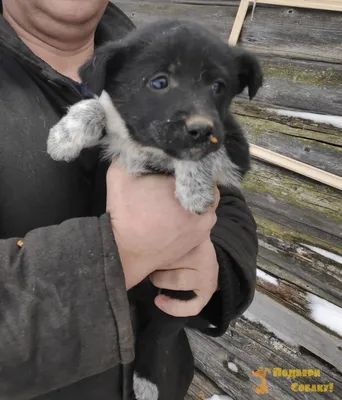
(195, 185)
(81, 127)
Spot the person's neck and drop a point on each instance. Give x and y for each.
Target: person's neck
(64, 53)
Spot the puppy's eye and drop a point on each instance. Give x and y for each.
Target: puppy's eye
(159, 83)
(218, 87)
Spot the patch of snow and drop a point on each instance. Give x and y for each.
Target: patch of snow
(325, 253)
(268, 246)
(233, 367)
(325, 313)
(219, 397)
(266, 277)
(270, 328)
(320, 118)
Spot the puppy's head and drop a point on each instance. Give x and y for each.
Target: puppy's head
(172, 83)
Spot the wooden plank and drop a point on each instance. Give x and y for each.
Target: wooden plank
(296, 166)
(241, 14)
(291, 213)
(217, 17)
(329, 5)
(309, 34)
(298, 265)
(296, 203)
(202, 388)
(300, 85)
(239, 20)
(293, 142)
(294, 33)
(230, 360)
(262, 117)
(269, 258)
(298, 330)
(296, 299)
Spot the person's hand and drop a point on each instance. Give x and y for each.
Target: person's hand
(151, 228)
(198, 271)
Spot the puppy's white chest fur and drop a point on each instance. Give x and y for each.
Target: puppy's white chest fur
(84, 125)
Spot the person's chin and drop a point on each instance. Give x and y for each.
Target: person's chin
(73, 11)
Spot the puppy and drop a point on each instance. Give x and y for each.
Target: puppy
(165, 109)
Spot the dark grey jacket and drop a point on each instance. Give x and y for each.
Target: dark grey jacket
(65, 331)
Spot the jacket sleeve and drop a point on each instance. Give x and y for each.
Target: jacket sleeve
(63, 307)
(235, 239)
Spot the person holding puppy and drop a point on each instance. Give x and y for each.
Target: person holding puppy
(74, 238)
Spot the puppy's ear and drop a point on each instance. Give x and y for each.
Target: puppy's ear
(108, 59)
(249, 70)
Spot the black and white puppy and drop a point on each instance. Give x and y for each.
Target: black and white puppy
(165, 108)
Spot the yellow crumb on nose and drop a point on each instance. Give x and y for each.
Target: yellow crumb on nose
(20, 243)
(213, 139)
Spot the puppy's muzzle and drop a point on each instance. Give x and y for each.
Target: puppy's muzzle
(201, 129)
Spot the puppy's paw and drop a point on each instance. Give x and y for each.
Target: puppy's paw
(144, 389)
(62, 144)
(80, 128)
(195, 200)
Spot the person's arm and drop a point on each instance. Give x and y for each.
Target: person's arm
(235, 240)
(63, 307)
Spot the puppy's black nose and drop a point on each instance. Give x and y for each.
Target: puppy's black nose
(199, 128)
(199, 131)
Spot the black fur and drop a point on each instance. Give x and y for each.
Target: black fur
(199, 58)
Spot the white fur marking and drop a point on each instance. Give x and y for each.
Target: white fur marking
(195, 180)
(114, 123)
(143, 389)
(80, 128)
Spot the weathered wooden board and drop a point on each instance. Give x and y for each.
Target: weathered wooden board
(320, 33)
(284, 31)
(332, 5)
(305, 204)
(218, 17)
(202, 388)
(292, 212)
(303, 96)
(230, 360)
(302, 128)
(303, 271)
(294, 142)
(297, 329)
(299, 301)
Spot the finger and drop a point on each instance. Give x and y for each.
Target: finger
(181, 308)
(176, 279)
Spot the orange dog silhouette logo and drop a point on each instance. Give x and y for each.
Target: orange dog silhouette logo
(262, 388)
